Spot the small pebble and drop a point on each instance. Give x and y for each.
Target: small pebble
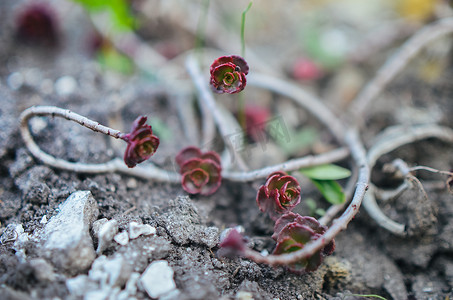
(136, 230)
(43, 220)
(65, 85)
(106, 234)
(157, 279)
(122, 238)
(15, 80)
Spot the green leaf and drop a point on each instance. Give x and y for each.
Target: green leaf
(320, 212)
(118, 10)
(326, 172)
(161, 129)
(331, 190)
(113, 60)
(297, 141)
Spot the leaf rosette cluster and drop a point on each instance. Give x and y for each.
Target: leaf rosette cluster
(201, 172)
(280, 194)
(228, 74)
(292, 232)
(141, 143)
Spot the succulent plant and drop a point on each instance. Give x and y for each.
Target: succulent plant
(141, 143)
(280, 194)
(36, 24)
(201, 172)
(228, 74)
(233, 244)
(256, 118)
(292, 232)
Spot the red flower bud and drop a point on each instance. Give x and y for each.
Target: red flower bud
(141, 143)
(201, 172)
(228, 74)
(292, 232)
(280, 194)
(233, 244)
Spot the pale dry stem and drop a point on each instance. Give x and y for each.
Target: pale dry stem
(115, 165)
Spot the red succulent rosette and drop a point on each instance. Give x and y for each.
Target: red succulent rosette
(292, 232)
(37, 24)
(141, 143)
(228, 74)
(280, 194)
(201, 172)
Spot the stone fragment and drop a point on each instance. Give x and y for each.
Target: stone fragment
(43, 271)
(136, 230)
(65, 85)
(96, 226)
(110, 272)
(157, 280)
(106, 234)
(67, 242)
(122, 238)
(131, 287)
(80, 285)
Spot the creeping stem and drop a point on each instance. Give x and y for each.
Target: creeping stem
(115, 165)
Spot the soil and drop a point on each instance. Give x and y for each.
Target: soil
(367, 260)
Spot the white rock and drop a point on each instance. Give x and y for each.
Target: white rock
(65, 85)
(136, 230)
(110, 272)
(43, 220)
(97, 295)
(97, 225)
(122, 238)
(80, 285)
(15, 80)
(131, 288)
(106, 234)
(157, 280)
(67, 241)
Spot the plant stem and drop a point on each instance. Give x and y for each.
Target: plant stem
(212, 110)
(201, 28)
(424, 168)
(290, 165)
(243, 28)
(309, 102)
(358, 153)
(241, 98)
(395, 64)
(115, 165)
(389, 140)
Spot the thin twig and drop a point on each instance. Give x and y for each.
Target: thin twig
(290, 165)
(309, 102)
(424, 168)
(380, 39)
(389, 140)
(397, 136)
(373, 210)
(395, 64)
(208, 103)
(115, 165)
(358, 153)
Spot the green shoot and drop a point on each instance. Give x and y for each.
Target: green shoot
(241, 100)
(368, 296)
(243, 28)
(201, 28)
